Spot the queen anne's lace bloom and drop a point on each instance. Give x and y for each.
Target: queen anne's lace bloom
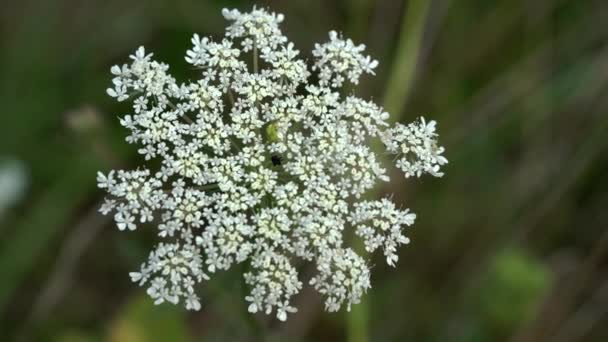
(258, 165)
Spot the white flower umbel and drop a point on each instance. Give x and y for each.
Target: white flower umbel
(255, 163)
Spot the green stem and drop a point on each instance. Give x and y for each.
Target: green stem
(211, 186)
(255, 57)
(231, 97)
(398, 87)
(357, 323)
(406, 56)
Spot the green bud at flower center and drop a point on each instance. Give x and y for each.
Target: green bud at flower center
(272, 132)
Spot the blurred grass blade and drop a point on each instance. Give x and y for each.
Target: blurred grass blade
(399, 85)
(406, 56)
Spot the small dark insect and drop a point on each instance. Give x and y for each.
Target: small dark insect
(276, 160)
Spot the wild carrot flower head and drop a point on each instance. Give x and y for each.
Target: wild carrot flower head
(256, 163)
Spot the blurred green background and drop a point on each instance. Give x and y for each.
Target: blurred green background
(511, 245)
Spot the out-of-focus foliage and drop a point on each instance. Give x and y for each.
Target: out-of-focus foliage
(509, 294)
(142, 321)
(511, 245)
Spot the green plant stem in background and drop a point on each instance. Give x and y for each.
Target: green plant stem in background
(357, 322)
(398, 87)
(359, 11)
(406, 56)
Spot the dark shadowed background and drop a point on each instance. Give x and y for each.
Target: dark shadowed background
(510, 245)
